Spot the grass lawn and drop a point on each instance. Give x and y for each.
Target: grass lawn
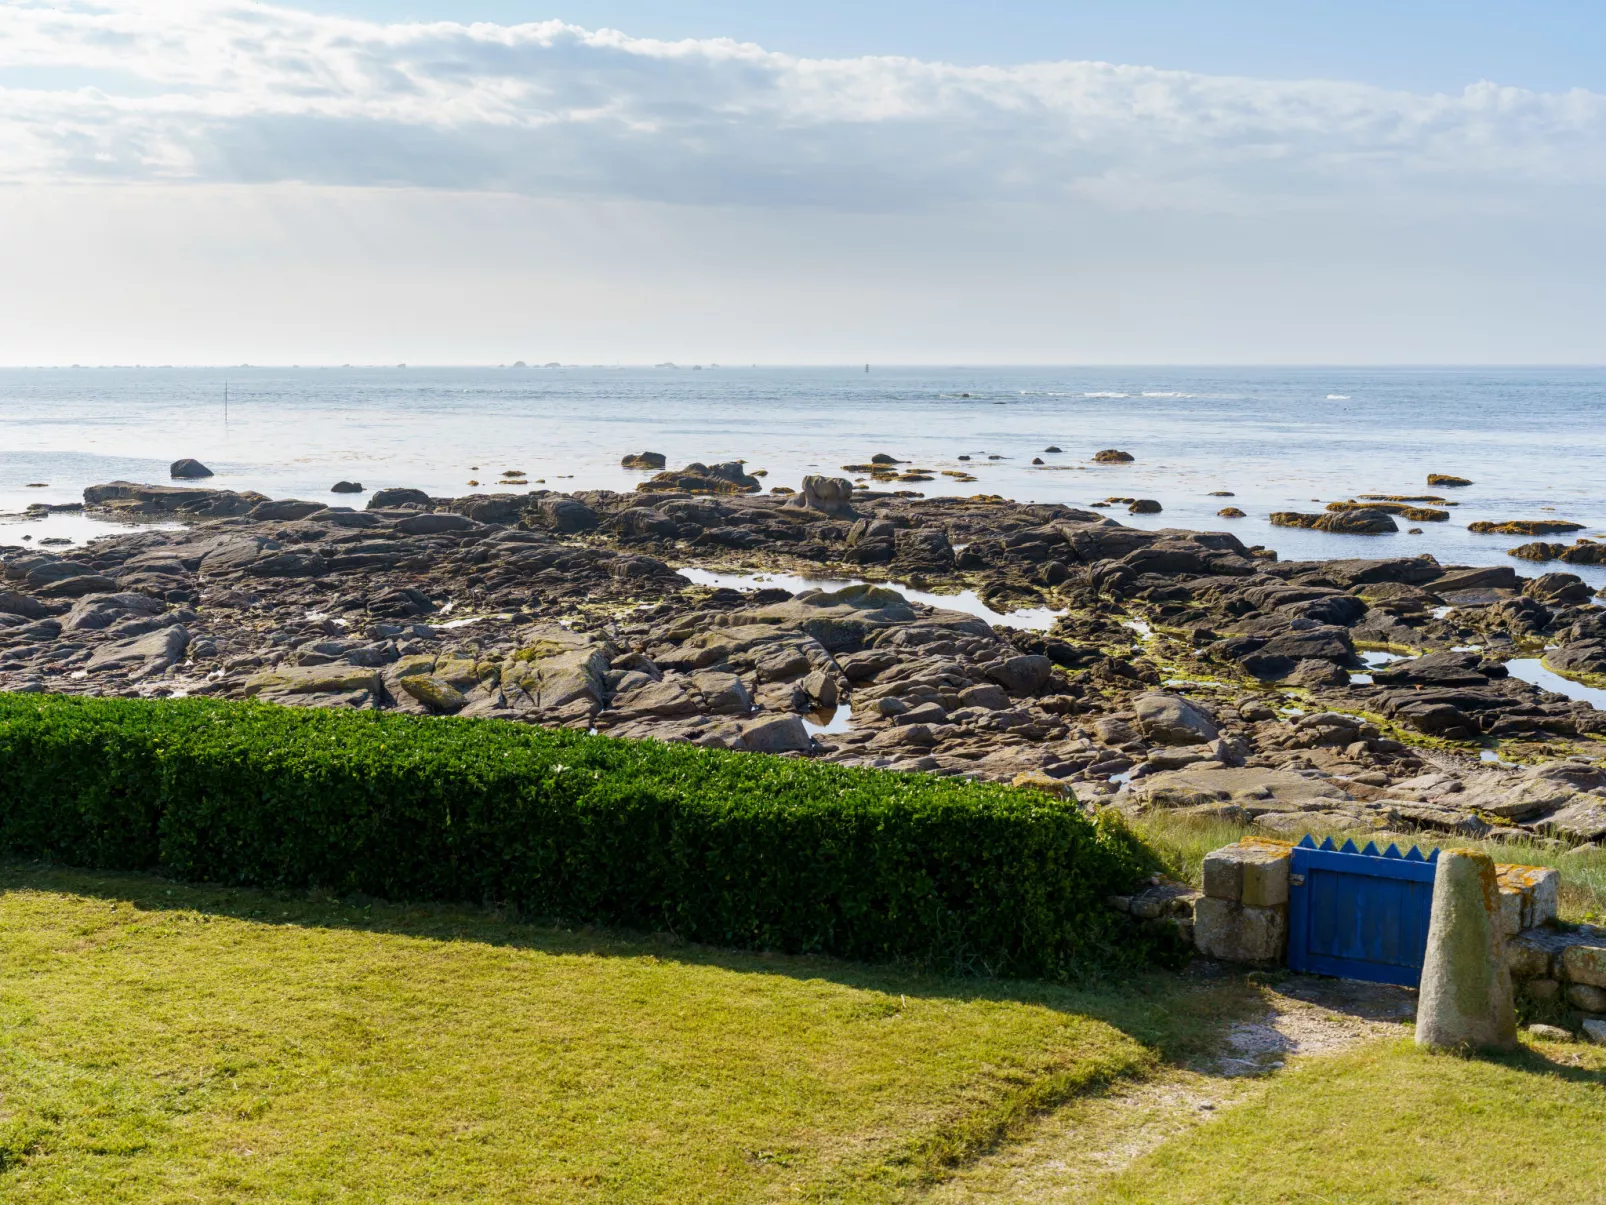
(168, 1043)
(1387, 1123)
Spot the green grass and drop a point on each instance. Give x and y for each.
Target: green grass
(1387, 1123)
(168, 1043)
(1181, 842)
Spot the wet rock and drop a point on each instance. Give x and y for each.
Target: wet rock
(1446, 479)
(698, 478)
(346, 487)
(131, 500)
(1112, 456)
(1557, 588)
(1365, 521)
(644, 460)
(1524, 527)
(1230, 512)
(188, 469)
(1144, 506)
(399, 603)
(1435, 669)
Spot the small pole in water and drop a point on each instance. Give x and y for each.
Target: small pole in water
(866, 368)
(225, 403)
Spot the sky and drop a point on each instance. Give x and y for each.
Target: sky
(617, 181)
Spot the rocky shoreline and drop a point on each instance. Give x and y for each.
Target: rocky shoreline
(1176, 669)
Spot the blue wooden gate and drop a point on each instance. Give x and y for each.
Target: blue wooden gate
(1357, 913)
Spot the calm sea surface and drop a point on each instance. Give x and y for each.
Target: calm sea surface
(1280, 439)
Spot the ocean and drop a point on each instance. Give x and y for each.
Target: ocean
(1279, 439)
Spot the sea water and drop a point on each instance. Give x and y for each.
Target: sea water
(1277, 439)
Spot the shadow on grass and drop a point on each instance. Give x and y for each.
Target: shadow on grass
(1179, 1017)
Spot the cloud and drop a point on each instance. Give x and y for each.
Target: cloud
(216, 91)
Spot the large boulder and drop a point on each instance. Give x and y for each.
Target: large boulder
(188, 469)
(128, 498)
(1171, 719)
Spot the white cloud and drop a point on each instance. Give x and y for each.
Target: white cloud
(216, 91)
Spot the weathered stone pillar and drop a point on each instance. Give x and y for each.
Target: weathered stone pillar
(1466, 1002)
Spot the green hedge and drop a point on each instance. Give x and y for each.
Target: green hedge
(733, 849)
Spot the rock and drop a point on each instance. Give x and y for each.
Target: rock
(1550, 1033)
(312, 679)
(1173, 720)
(188, 469)
(1585, 964)
(1236, 932)
(644, 460)
(1594, 1030)
(1036, 780)
(1524, 527)
(821, 688)
(1465, 1001)
(1311, 673)
(388, 499)
(1257, 789)
(723, 693)
(1144, 506)
(402, 602)
(698, 478)
(12, 603)
(1254, 871)
(346, 487)
(986, 696)
(1554, 588)
(128, 499)
(779, 734)
(567, 514)
(98, 611)
(828, 495)
(433, 692)
(434, 523)
(883, 458)
(1230, 512)
(1363, 522)
(1447, 480)
(1586, 998)
(557, 668)
(1051, 448)
(149, 654)
(77, 587)
(1501, 577)
(286, 509)
(1112, 456)
(1023, 675)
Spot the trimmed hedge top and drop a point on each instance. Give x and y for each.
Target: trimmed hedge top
(735, 849)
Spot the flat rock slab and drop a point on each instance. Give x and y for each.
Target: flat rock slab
(1257, 790)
